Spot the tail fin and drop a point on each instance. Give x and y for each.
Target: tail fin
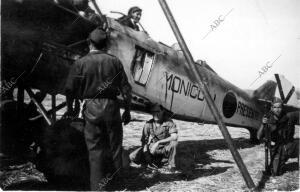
(266, 91)
(287, 86)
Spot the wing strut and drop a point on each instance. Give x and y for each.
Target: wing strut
(39, 106)
(207, 95)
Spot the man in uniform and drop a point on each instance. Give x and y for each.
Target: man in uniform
(159, 141)
(282, 128)
(132, 19)
(97, 78)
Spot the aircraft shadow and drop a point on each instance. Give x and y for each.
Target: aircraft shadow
(196, 150)
(138, 179)
(192, 161)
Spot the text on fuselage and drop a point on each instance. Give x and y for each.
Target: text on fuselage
(188, 89)
(246, 111)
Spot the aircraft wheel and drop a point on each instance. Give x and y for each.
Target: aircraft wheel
(253, 137)
(64, 157)
(15, 131)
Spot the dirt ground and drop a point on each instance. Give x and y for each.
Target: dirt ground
(205, 162)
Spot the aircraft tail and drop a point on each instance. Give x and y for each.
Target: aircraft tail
(282, 88)
(266, 91)
(286, 91)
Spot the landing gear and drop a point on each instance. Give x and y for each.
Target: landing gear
(22, 124)
(253, 137)
(18, 132)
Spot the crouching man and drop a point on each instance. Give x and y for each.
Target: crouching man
(282, 130)
(159, 141)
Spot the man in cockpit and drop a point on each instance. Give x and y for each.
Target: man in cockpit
(132, 19)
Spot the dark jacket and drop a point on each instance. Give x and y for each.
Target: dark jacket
(97, 75)
(285, 127)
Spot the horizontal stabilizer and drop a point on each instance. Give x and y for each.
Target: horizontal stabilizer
(265, 91)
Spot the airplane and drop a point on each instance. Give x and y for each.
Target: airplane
(42, 38)
(44, 45)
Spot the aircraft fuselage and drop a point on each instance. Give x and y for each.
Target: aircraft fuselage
(157, 73)
(160, 74)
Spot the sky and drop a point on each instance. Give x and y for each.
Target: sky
(250, 34)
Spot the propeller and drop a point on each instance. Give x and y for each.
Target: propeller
(283, 98)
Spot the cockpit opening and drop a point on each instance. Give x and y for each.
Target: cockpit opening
(142, 65)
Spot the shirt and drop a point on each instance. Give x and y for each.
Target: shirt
(157, 132)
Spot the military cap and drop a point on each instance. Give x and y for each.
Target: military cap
(134, 9)
(98, 36)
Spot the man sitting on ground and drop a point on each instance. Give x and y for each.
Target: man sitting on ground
(159, 141)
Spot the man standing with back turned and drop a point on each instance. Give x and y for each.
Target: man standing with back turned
(97, 78)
